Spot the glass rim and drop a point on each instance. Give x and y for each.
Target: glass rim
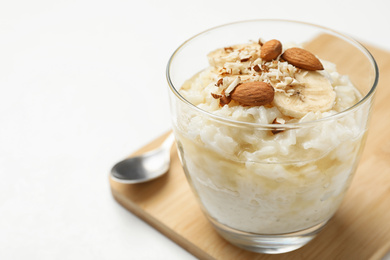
(272, 126)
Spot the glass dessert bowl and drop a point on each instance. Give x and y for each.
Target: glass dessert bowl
(270, 120)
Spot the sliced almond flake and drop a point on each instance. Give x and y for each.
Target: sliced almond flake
(257, 61)
(288, 80)
(280, 90)
(280, 85)
(216, 96)
(225, 71)
(257, 68)
(272, 64)
(245, 59)
(279, 120)
(295, 83)
(236, 68)
(265, 78)
(219, 82)
(232, 86)
(224, 100)
(273, 74)
(225, 82)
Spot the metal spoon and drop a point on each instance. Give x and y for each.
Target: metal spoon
(144, 167)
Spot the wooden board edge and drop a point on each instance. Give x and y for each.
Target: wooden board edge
(166, 231)
(380, 254)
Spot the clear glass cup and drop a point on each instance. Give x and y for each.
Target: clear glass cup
(275, 200)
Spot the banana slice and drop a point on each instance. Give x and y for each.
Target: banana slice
(235, 53)
(315, 93)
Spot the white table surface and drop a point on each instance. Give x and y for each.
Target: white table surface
(82, 86)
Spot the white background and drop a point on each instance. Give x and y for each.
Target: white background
(83, 86)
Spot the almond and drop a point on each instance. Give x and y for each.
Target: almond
(271, 50)
(253, 93)
(302, 59)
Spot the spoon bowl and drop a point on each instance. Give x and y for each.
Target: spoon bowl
(144, 167)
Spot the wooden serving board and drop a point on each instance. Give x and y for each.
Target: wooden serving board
(359, 230)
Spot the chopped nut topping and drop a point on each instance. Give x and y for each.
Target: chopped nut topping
(264, 68)
(219, 82)
(223, 99)
(246, 59)
(243, 63)
(257, 68)
(216, 96)
(232, 85)
(278, 121)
